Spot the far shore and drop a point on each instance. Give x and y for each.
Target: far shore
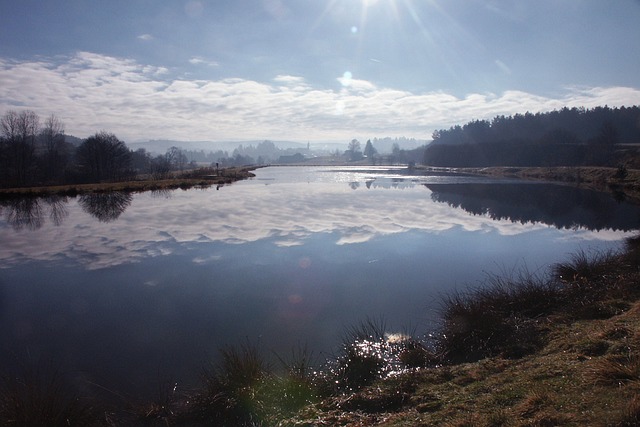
(597, 178)
(593, 177)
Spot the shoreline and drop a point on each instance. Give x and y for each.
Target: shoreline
(595, 178)
(185, 180)
(591, 177)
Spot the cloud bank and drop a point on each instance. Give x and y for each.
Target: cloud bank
(92, 92)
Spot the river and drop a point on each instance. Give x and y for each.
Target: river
(122, 291)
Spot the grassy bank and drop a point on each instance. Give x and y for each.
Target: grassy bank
(530, 350)
(525, 351)
(203, 177)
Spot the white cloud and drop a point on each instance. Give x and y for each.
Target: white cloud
(145, 37)
(198, 60)
(91, 92)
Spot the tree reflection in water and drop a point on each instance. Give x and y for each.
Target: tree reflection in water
(24, 212)
(29, 212)
(563, 207)
(105, 207)
(161, 194)
(57, 208)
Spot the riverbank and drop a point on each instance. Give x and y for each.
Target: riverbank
(202, 178)
(597, 178)
(578, 362)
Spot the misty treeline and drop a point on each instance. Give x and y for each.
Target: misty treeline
(263, 153)
(37, 152)
(566, 137)
(397, 155)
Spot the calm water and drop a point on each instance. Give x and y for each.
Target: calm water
(125, 291)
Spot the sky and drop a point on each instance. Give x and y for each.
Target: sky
(311, 70)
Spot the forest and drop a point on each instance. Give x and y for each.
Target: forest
(566, 137)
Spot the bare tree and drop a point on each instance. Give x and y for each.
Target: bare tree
(176, 157)
(53, 133)
(19, 131)
(55, 153)
(160, 167)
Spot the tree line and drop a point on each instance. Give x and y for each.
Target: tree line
(566, 137)
(34, 153)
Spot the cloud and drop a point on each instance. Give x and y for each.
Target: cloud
(145, 37)
(198, 60)
(91, 92)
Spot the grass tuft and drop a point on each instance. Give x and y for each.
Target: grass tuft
(584, 267)
(616, 370)
(297, 387)
(498, 319)
(232, 388)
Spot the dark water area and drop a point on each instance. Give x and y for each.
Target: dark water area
(123, 291)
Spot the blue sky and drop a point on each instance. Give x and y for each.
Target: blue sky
(314, 70)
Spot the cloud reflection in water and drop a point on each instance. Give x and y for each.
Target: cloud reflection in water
(286, 212)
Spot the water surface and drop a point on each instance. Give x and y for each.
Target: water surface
(125, 290)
